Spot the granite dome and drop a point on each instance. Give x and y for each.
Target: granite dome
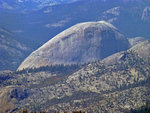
(81, 43)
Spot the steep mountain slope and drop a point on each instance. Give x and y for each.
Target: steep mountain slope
(12, 52)
(95, 87)
(130, 17)
(143, 49)
(82, 43)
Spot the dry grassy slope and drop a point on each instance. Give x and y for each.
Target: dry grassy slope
(82, 43)
(10, 95)
(5, 100)
(97, 87)
(120, 87)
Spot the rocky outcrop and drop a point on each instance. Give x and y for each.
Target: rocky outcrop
(95, 87)
(136, 40)
(146, 14)
(111, 15)
(142, 49)
(82, 43)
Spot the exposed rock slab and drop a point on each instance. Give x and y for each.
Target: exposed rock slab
(82, 43)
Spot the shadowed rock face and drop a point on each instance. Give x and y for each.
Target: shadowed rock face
(142, 49)
(12, 52)
(82, 43)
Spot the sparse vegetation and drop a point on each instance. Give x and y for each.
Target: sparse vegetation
(143, 109)
(92, 87)
(58, 69)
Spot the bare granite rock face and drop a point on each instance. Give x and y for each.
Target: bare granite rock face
(82, 43)
(116, 84)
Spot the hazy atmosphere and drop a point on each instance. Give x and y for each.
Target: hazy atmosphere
(75, 56)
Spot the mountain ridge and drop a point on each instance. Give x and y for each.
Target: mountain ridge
(30, 5)
(12, 52)
(81, 43)
(95, 87)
